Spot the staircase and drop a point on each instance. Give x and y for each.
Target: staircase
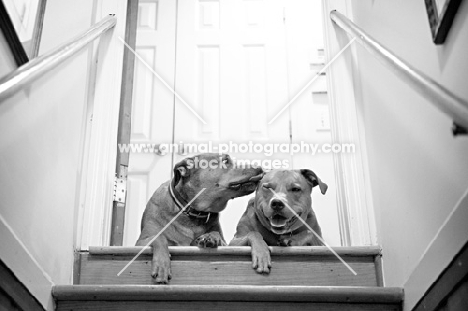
(223, 279)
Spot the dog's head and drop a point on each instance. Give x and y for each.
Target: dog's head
(220, 178)
(280, 192)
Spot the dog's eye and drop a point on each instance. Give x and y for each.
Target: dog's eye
(226, 160)
(296, 189)
(266, 185)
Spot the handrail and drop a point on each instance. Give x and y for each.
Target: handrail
(441, 97)
(37, 67)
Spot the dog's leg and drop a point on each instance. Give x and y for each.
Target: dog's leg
(161, 263)
(261, 259)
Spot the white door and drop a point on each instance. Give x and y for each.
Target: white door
(152, 112)
(236, 63)
(231, 60)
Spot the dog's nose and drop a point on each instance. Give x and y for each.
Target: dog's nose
(277, 204)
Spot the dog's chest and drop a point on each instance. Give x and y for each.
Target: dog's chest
(277, 240)
(186, 230)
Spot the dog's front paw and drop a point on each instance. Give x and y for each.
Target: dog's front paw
(210, 239)
(261, 259)
(161, 269)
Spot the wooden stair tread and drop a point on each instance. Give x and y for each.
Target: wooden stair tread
(223, 279)
(303, 266)
(245, 293)
(239, 251)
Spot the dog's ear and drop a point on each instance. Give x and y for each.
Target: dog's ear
(314, 180)
(182, 169)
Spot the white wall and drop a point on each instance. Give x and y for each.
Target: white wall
(40, 158)
(418, 170)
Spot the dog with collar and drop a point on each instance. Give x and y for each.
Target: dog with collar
(201, 188)
(271, 218)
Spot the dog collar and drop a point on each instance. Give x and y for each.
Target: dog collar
(188, 210)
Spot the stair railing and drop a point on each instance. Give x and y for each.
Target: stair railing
(21, 77)
(445, 100)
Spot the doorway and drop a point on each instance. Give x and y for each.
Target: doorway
(237, 64)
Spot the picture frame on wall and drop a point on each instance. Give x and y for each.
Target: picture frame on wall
(441, 14)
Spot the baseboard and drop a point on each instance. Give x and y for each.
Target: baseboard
(28, 272)
(448, 242)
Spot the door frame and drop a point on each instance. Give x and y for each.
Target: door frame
(355, 204)
(125, 121)
(357, 221)
(93, 225)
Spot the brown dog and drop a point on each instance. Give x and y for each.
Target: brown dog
(269, 220)
(199, 223)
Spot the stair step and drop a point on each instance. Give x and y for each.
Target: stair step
(302, 266)
(226, 297)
